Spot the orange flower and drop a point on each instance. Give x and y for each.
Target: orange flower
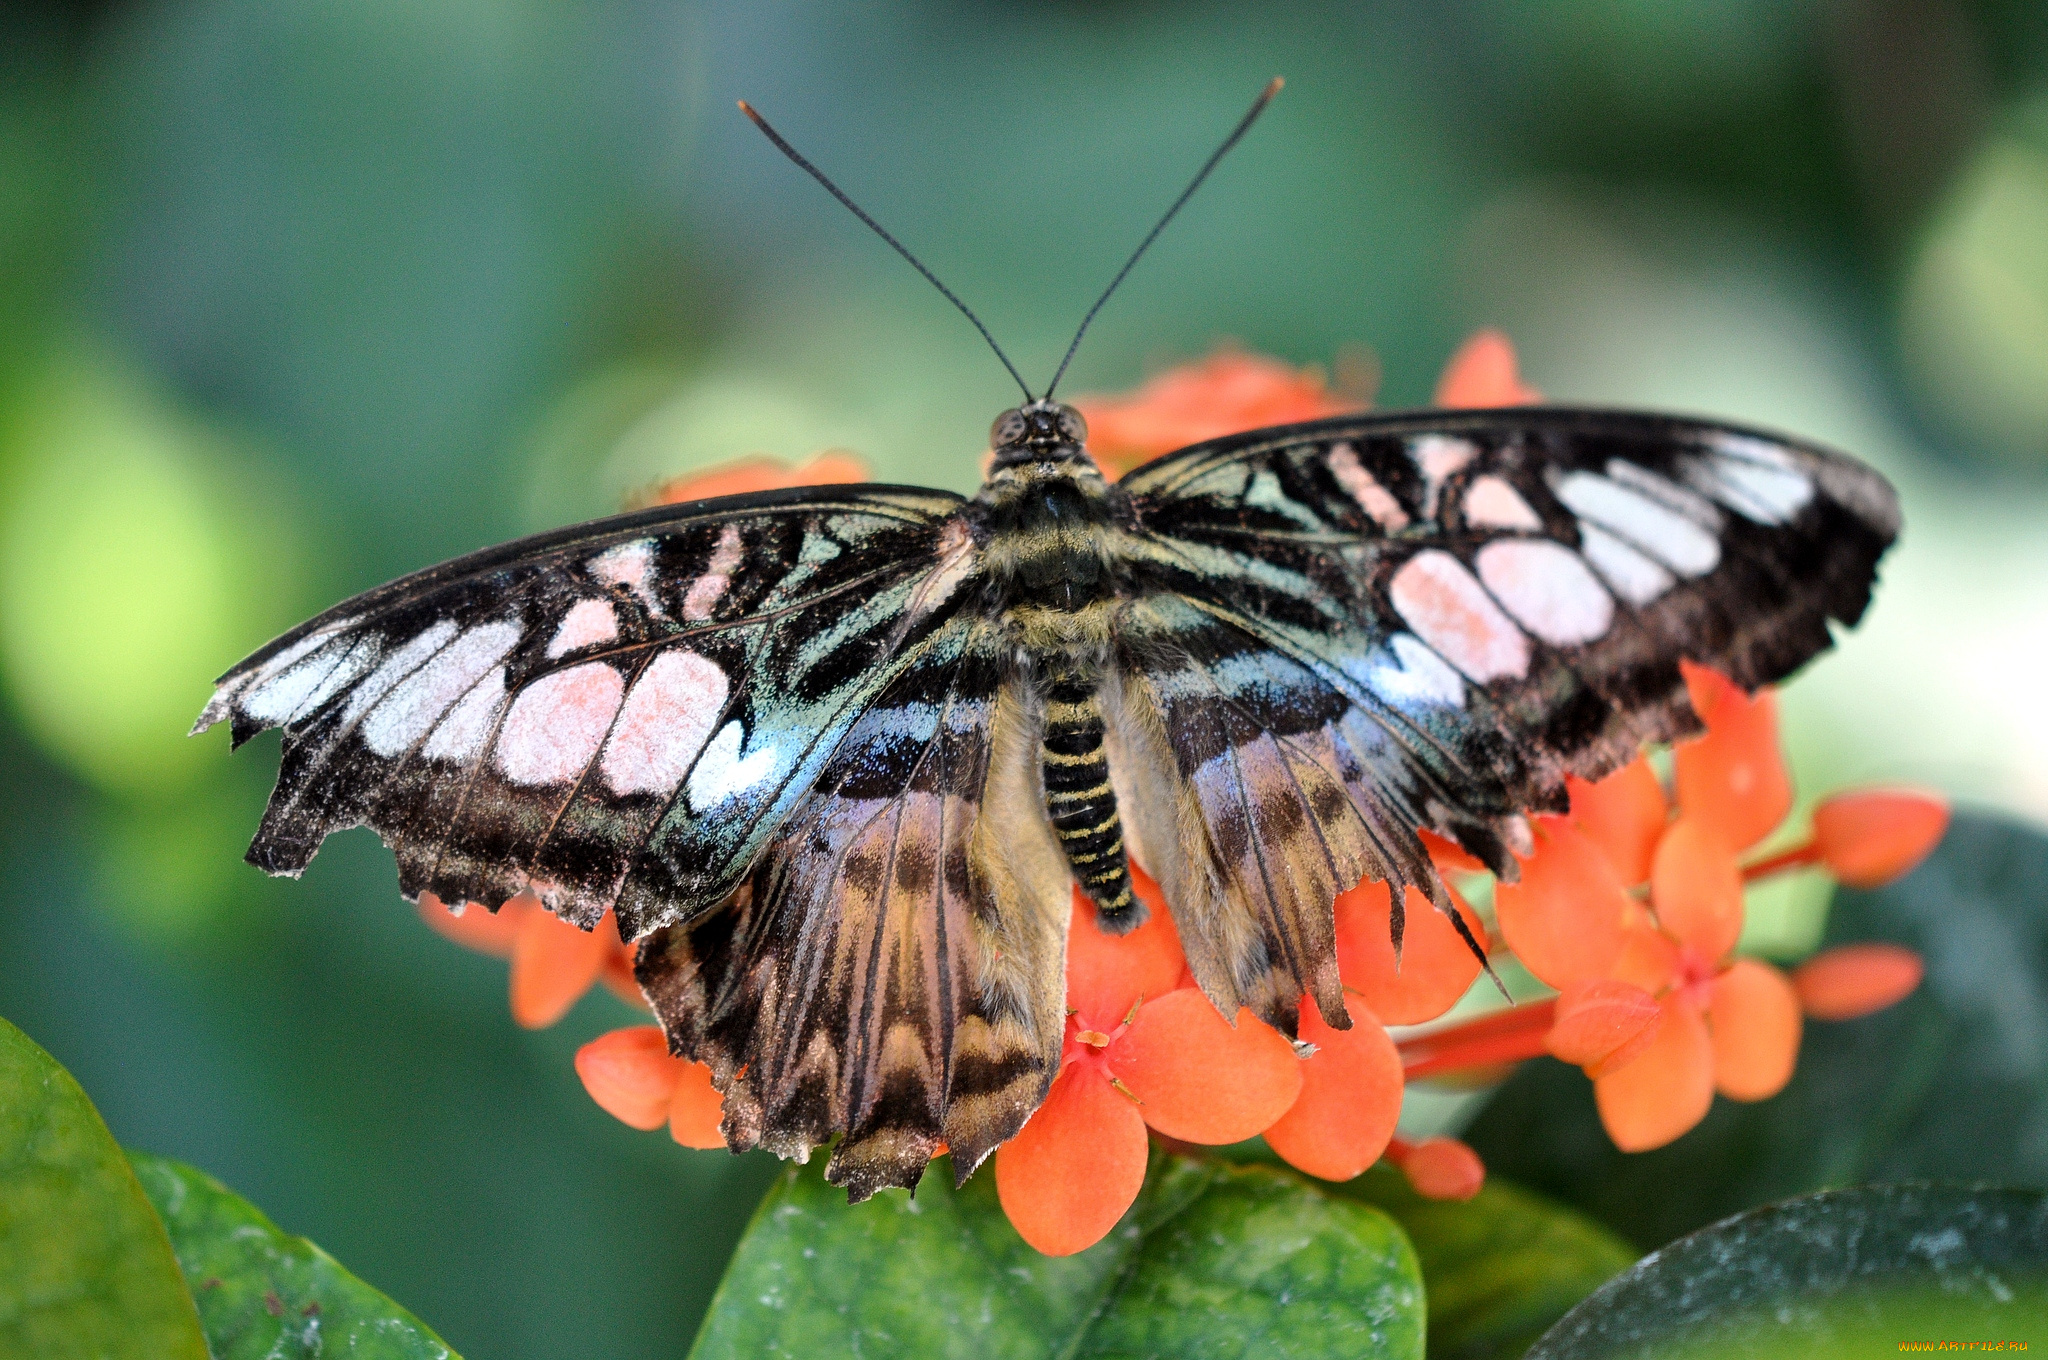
(553, 962)
(1226, 393)
(634, 1078)
(1484, 373)
(1140, 1051)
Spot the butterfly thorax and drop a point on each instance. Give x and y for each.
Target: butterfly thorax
(1048, 525)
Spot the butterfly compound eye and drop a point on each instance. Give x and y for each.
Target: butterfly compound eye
(1072, 427)
(1010, 428)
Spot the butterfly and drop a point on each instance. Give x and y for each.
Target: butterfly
(838, 756)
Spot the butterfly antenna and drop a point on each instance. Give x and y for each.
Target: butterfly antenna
(819, 175)
(1243, 125)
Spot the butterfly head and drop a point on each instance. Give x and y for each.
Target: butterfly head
(1044, 431)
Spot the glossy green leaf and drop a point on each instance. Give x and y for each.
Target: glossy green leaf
(266, 1295)
(1213, 1261)
(1498, 1268)
(1844, 1273)
(85, 1268)
(1949, 1084)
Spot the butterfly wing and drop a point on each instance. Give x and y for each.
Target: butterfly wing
(617, 715)
(893, 968)
(1442, 614)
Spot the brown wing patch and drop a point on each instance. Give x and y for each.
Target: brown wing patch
(893, 971)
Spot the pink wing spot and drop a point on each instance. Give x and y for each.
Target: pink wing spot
(664, 723)
(955, 551)
(630, 565)
(1448, 609)
(586, 625)
(557, 723)
(1490, 503)
(1364, 488)
(1548, 587)
(707, 590)
(1438, 456)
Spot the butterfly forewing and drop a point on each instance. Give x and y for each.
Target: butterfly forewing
(1506, 595)
(619, 714)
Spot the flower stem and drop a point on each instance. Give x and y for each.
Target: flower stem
(1798, 857)
(1504, 1036)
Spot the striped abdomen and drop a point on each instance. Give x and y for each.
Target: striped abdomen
(1080, 800)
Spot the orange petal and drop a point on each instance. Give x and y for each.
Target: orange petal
(1107, 974)
(758, 474)
(1484, 373)
(1565, 919)
(1854, 980)
(631, 1075)
(1075, 1166)
(1450, 857)
(1648, 959)
(1871, 837)
(618, 970)
(478, 928)
(1754, 1017)
(1442, 1168)
(1696, 888)
(1436, 965)
(1733, 778)
(1668, 1087)
(696, 1108)
(1602, 1025)
(1222, 394)
(1349, 1102)
(1624, 814)
(553, 964)
(1198, 1078)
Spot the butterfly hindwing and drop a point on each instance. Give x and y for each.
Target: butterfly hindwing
(892, 970)
(614, 715)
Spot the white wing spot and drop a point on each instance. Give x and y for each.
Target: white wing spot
(304, 687)
(1755, 479)
(1634, 577)
(1363, 487)
(406, 714)
(1677, 541)
(1548, 588)
(663, 723)
(461, 734)
(707, 590)
(1420, 676)
(721, 773)
(1438, 456)
(630, 565)
(557, 723)
(586, 624)
(1491, 503)
(1691, 504)
(1448, 609)
(397, 666)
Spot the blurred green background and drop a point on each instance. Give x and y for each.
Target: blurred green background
(296, 295)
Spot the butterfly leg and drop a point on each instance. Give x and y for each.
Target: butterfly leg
(1080, 801)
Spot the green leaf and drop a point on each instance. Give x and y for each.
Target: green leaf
(1947, 1085)
(1213, 1261)
(1499, 1268)
(85, 1268)
(263, 1293)
(1847, 1273)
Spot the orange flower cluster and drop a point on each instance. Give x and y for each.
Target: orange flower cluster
(1631, 908)
(1633, 903)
